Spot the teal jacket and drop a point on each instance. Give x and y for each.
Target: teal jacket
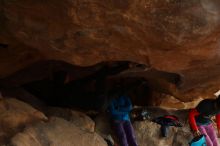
(120, 108)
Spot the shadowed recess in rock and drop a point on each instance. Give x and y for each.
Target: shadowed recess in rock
(62, 84)
(2, 46)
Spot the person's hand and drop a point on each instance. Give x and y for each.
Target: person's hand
(197, 133)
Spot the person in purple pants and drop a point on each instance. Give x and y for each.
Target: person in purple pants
(120, 108)
(200, 120)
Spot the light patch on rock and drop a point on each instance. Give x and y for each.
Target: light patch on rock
(80, 119)
(56, 132)
(14, 115)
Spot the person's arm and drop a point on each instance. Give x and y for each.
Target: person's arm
(128, 105)
(192, 121)
(114, 110)
(218, 123)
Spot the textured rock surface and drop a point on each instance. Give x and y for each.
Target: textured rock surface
(57, 132)
(148, 134)
(79, 119)
(22, 125)
(14, 115)
(178, 36)
(167, 101)
(103, 126)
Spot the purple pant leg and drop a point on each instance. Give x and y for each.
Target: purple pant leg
(202, 129)
(119, 129)
(130, 133)
(212, 134)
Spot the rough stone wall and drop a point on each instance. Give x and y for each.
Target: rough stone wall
(178, 36)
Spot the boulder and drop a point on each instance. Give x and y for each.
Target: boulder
(103, 125)
(56, 132)
(80, 119)
(148, 134)
(15, 115)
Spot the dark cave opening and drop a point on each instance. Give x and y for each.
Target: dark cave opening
(91, 88)
(90, 92)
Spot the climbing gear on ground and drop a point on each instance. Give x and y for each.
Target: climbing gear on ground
(165, 122)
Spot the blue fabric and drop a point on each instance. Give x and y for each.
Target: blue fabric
(198, 141)
(120, 108)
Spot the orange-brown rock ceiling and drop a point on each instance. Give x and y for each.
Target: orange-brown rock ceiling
(178, 36)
